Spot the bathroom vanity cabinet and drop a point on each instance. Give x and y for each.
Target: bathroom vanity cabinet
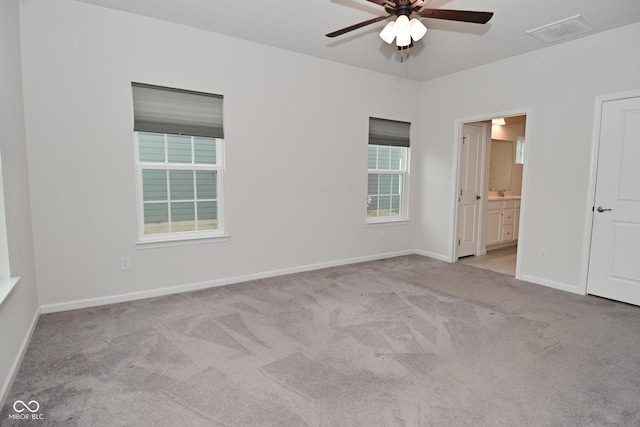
(503, 217)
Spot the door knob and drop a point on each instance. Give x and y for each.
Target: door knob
(603, 209)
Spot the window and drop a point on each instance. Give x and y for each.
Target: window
(388, 170)
(520, 150)
(7, 283)
(179, 153)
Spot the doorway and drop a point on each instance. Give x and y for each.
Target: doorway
(489, 191)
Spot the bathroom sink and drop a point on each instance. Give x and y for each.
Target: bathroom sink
(492, 198)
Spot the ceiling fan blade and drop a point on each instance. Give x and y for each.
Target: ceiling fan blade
(457, 15)
(356, 26)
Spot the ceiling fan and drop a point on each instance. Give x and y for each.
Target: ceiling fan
(405, 29)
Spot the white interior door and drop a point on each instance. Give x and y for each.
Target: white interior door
(469, 190)
(614, 264)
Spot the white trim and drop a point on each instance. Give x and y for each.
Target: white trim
(552, 284)
(171, 240)
(6, 286)
(434, 255)
(92, 302)
(406, 183)
(389, 220)
(526, 167)
(458, 124)
(15, 366)
(583, 281)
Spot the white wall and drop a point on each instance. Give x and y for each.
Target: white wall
(559, 85)
(19, 311)
(296, 152)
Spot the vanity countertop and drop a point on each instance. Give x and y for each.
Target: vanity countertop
(493, 198)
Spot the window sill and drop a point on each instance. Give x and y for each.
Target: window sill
(387, 221)
(180, 241)
(6, 286)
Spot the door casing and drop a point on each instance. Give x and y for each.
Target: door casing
(458, 133)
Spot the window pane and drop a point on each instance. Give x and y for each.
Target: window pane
(206, 182)
(384, 205)
(372, 206)
(385, 184)
(520, 151)
(395, 205)
(205, 150)
(154, 185)
(384, 156)
(207, 215)
(396, 154)
(179, 148)
(373, 156)
(183, 216)
(181, 184)
(151, 147)
(396, 184)
(156, 218)
(373, 184)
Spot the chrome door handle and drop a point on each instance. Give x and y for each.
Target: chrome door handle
(602, 209)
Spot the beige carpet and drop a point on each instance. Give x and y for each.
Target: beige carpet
(407, 341)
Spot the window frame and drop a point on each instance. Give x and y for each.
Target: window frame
(520, 148)
(404, 193)
(180, 237)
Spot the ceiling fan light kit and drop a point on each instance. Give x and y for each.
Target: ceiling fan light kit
(405, 29)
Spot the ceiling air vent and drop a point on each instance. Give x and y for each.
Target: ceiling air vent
(562, 30)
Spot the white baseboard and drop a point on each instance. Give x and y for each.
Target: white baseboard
(93, 302)
(433, 255)
(552, 284)
(6, 386)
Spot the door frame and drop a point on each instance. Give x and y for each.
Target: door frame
(457, 152)
(593, 174)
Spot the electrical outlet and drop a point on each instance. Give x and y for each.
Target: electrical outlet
(124, 263)
(543, 253)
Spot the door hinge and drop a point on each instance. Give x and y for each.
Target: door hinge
(461, 191)
(458, 242)
(464, 139)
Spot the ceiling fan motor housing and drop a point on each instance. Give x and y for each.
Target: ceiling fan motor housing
(402, 7)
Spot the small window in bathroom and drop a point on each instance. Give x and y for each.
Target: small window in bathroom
(520, 150)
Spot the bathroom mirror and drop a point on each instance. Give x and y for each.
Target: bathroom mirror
(500, 165)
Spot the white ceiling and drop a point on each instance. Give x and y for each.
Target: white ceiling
(448, 47)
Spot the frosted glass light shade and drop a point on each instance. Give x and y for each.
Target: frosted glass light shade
(403, 39)
(417, 29)
(500, 121)
(403, 36)
(388, 33)
(402, 24)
